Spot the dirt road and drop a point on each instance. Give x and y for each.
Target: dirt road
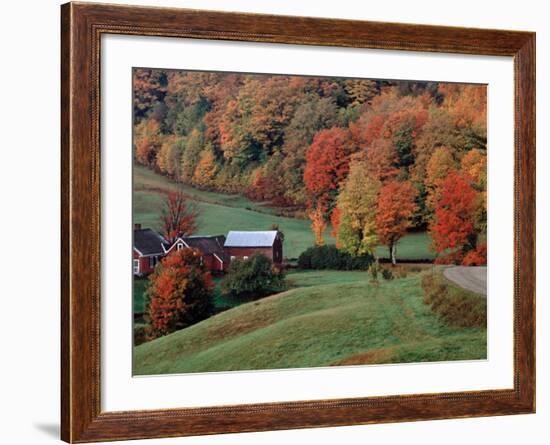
(470, 278)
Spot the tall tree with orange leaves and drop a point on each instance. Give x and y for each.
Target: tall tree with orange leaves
(327, 164)
(178, 216)
(206, 169)
(179, 293)
(318, 225)
(147, 142)
(474, 164)
(396, 207)
(440, 165)
(453, 228)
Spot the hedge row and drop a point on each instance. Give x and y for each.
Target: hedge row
(455, 306)
(329, 257)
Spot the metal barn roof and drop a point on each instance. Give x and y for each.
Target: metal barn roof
(264, 238)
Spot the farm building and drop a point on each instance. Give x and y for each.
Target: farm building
(149, 248)
(211, 248)
(217, 251)
(244, 244)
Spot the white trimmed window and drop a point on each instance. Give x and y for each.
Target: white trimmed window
(136, 266)
(179, 246)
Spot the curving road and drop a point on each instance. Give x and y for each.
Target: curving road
(470, 278)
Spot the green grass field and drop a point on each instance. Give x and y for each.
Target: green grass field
(221, 213)
(294, 279)
(330, 318)
(139, 297)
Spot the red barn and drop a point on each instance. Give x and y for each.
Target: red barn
(244, 244)
(149, 249)
(211, 248)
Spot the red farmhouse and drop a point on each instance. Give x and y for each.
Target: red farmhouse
(244, 244)
(149, 248)
(211, 248)
(216, 251)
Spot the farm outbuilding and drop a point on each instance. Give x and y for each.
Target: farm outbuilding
(217, 251)
(149, 248)
(211, 248)
(243, 244)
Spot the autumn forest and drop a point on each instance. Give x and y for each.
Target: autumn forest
(371, 159)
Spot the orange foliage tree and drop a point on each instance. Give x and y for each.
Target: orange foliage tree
(327, 164)
(318, 225)
(206, 170)
(474, 163)
(396, 207)
(453, 229)
(147, 140)
(179, 293)
(439, 166)
(382, 160)
(168, 157)
(476, 257)
(178, 216)
(335, 219)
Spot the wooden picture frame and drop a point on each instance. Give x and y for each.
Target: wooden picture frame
(82, 26)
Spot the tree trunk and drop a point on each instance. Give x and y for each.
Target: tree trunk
(393, 250)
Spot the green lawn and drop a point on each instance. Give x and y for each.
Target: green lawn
(147, 180)
(319, 277)
(317, 324)
(139, 297)
(221, 213)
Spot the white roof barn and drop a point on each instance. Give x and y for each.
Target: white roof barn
(264, 238)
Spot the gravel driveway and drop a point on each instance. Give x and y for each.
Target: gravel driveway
(470, 278)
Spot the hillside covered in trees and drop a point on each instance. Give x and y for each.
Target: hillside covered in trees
(372, 159)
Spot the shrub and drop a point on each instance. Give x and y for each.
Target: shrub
(477, 257)
(472, 257)
(455, 257)
(412, 268)
(141, 334)
(179, 293)
(373, 271)
(329, 257)
(455, 306)
(253, 278)
(402, 271)
(387, 274)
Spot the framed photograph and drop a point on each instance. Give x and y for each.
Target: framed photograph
(275, 222)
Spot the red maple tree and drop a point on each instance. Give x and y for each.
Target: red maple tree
(396, 206)
(178, 216)
(476, 257)
(453, 229)
(327, 163)
(179, 292)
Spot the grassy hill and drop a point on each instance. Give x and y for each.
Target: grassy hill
(316, 324)
(221, 213)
